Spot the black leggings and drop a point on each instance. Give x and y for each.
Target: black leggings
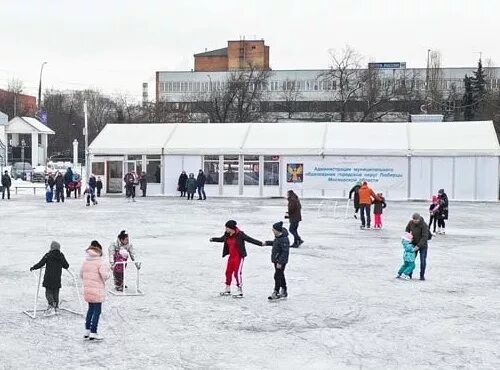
(279, 278)
(432, 222)
(441, 223)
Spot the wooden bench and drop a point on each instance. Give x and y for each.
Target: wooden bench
(34, 187)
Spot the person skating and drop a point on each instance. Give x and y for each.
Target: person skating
(54, 261)
(200, 181)
(355, 191)
(443, 213)
(51, 182)
(59, 181)
(93, 183)
(294, 214)
(378, 208)
(191, 186)
(234, 245)
(143, 183)
(366, 197)
(129, 180)
(94, 274)
(420, 231)
(49, 194)
(279, 258)
(68, 179)
(406, 270)
(98, 186)
(90, 195)
(119, 252)
(6, 184)
(434, 213)
(181, 184)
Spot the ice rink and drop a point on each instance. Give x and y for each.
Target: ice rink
(345, 309)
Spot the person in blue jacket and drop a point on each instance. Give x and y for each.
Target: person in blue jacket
(279, 257)
(408, 257)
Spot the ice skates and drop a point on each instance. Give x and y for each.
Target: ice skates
(239, 293)
(274, 296)
(95, 336)
(226, 291)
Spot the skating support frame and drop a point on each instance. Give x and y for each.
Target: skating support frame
(33, 313)
(137, 290)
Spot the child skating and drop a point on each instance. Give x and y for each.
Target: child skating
(94, 273)
(279, 257)
(234, 245)
(54, 261)
(378, 208)
(434, 212)
(119, 253)
(408, 257)
(90, 195)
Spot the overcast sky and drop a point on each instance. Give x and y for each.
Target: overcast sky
(115, 45)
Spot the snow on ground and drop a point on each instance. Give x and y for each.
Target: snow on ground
(345, 309)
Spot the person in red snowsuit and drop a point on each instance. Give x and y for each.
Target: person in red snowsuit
(234, 245)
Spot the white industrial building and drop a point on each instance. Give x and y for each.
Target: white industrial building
(402, 160)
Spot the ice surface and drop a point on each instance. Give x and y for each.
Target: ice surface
(345, 309)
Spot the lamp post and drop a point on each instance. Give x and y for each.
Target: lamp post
(40, 86)
(86, 133)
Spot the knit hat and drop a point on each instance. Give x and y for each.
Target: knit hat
(416, 216)
(407, 236)
(278, 226)
(55, 246)
(231, 224)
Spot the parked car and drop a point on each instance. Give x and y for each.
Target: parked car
(39, 174)
(22, 170)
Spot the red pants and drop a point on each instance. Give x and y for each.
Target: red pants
(378, 220)
(234, 267)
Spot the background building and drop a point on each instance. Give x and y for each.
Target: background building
(16, 104)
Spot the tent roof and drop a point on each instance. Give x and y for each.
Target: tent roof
(133, 138)
(25, 125)
(301, 138)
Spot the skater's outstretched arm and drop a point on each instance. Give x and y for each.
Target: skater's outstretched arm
(39, 264)
(218, 240)
(267, 243)
(252, 240)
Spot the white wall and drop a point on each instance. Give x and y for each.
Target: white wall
(174, 165)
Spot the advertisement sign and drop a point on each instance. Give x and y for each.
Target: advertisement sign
(390, 65)
(295, 173)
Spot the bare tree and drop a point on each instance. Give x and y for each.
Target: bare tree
(345, 73)
(377, 95)
(290, 96)
(238, 99)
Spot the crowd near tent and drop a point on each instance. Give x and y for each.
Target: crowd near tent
(409, 160)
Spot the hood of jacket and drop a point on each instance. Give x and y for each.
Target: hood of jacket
(55, 255)
(92, 255)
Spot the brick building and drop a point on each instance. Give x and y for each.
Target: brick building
(14, 104)
(238, 55)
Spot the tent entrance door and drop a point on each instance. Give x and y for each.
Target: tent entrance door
(115, 176)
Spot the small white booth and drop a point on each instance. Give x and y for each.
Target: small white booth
(402, 160)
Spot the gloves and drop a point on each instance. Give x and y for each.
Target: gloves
(138, 265)
(31, 269)
(211, 239)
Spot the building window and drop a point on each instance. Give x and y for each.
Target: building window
(153, 169)
(251, 170)
(231, 166)
(211, 168)
(271, 170)
(98, 168)
(134, 162)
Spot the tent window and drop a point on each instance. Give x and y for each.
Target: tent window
(271, 170)
(153, 169)
(98, 168)
(211, 168)
(231, 166)
(251, 170)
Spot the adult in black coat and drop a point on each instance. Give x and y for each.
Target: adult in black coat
(59, 182)
(420, 231)
(98, 185)
(200, 180)
(443, 211)
(92, 182)
(54, 261)
(51, 182)
(279, 257)
(355, 191)
(6, 184)
(181, 184)
(295, 215)
(143, 183)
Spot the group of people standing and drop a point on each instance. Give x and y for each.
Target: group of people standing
(439, 212)
(132, 179)
(93, 273)
(187, 185)
(364, 198)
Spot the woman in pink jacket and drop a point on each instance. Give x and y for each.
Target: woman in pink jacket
(94, 274)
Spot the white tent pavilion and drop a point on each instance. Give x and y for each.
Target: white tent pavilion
(402, 160)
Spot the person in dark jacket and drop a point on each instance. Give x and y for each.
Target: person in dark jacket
(68, 179)
(54, 261)
(98, 186)
(355, 191)
(279, 257)
(59, 182)
(294, 214)
(129, 180)
(191, 186)
(378, 208)
(234, 245)
(51, 182)
(442, 215)
(143, 183)
(420, 231)
(200, 180)
(6, 184)
(92, 183)
(181, 184)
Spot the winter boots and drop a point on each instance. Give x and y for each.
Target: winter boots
(282, 294)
